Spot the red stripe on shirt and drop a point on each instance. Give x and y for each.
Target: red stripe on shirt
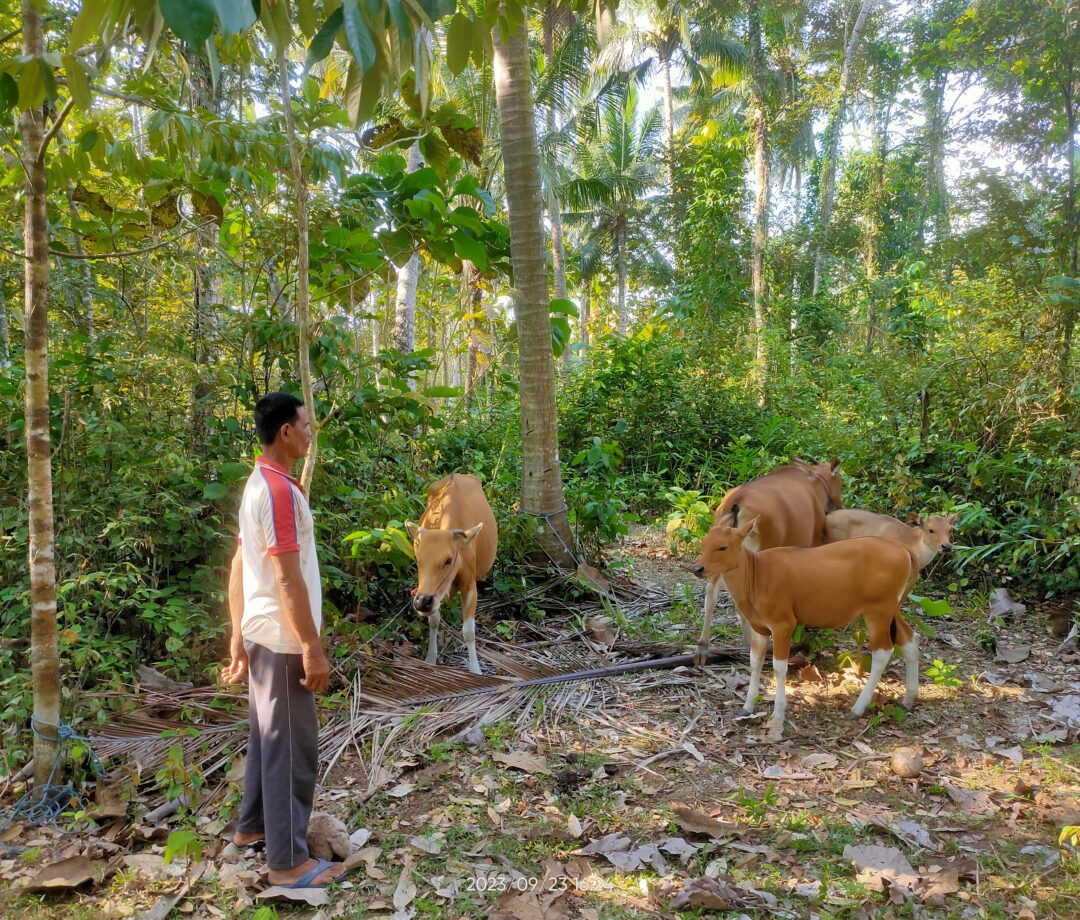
(283, 512)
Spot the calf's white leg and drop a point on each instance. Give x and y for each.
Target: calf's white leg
(712, 592)
(433, 637)
(758, 645)
(776, 724)
(911, 670)
(878, 660)
(468, 627)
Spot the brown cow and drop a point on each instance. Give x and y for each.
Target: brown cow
(790, 505)
(925, 538)
(822, 586)
(455, 547)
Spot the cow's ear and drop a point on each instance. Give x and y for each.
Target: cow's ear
(748, 528)
(412, 530)
(834, 465)
(913, 518)
(802, 465)
(953, 518)
(465, 537)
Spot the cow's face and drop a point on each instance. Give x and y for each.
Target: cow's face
(720, 549)
(937, 531)
(438, 559)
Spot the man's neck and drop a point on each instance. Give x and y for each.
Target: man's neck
(275, 454)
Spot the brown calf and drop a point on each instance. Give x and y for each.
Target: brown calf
(925, 537)
(790, 505)
(822, 586)
(455, 547)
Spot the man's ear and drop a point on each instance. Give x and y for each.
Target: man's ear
(412, 530)
(465, 537)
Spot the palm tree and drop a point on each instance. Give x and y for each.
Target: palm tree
(678, 34)
(541, 477)
(609, 193)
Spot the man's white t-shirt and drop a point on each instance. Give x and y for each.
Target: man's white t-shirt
(275, 518)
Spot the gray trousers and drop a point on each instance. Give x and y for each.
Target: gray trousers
(282, 756)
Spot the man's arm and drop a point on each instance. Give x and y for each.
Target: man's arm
(296, 607)
(239, 659)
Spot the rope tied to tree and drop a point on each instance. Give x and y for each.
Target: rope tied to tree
(43, 805)
(547, 516)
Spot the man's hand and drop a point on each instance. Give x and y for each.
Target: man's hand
(237, 668)
(316, 669)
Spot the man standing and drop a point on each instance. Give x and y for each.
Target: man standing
(275, 602)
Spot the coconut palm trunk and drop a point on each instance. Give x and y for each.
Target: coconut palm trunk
(760, 129)
(541, 479)
(44, 649)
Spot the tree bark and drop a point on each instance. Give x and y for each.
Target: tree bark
(541, 479)
(5, 331)
(44, 649)
(303, 295)
(408, 278)
(832, 139)
(879, 143)
(937, 198)
(87, 294)
(620, 266)
(760, 129)
(1068, 324)
(558, 249)
(669, 118)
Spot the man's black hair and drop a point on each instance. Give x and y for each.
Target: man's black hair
(273, 411)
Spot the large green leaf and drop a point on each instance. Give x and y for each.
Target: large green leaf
(9, 92)
(274, 15)
(459, 42)
(323, 41)
(467, 247)
(305, 16)
(78, 82)
(191, 20)
(89, 23)
(358, 35)
(234, 15)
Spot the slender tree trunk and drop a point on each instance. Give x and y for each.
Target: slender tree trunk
(541, 479)
(1068, 324)
(793, 310)
(558, 250)
(669, 118)
(207, 295)
(832, 150)
(303, 295)
(586, 305)
(879, 143)
(5, 331)
(474, 312)
(408, 278)
(936, 200)
(44, 650)
(620, 265)
(760, 128)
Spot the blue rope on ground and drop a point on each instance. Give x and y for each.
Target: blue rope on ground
(43, 805)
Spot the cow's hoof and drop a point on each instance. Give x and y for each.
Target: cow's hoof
(701, 656)
(744, 713)
(776, 732)
(852, 716)
(908, 704)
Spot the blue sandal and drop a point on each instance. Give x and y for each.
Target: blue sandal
(305, 881)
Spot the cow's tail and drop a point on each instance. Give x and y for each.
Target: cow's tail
(913, 574)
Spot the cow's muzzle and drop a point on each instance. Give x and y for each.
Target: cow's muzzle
(699, 570)
(946, 547)
(423, 603)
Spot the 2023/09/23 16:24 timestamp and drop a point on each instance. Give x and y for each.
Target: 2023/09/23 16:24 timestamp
(501, 882)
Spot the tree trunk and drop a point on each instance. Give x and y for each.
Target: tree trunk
(473, 297)
(205, 95)
(303, 296)
(620, 264)
(408, 278)
(879, 144)
(1068, 324)
(558, 250)
(937, 199)
(760, 128)
(84, 269)
(793, 310)
(832, 141)
(5, 331)
(669, 118)
(44, 651)
(541, 479)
